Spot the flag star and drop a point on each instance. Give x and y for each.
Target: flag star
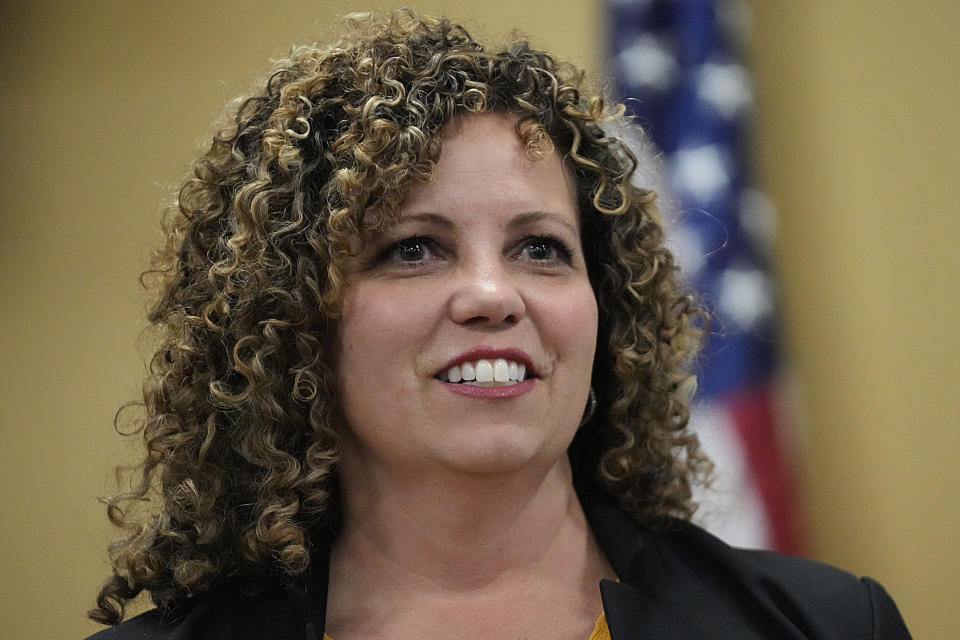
(699, 172)
(647, 63)
(726, 87)
(745, 296)
(758, 218)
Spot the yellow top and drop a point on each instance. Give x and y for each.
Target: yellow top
(600, 630)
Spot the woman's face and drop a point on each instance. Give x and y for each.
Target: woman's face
(483, 277)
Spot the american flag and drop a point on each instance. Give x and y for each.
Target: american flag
(678, 66)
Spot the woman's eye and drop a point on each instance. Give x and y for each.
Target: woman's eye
(545, 249)
(409, 251)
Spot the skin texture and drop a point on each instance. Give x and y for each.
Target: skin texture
(466, 521)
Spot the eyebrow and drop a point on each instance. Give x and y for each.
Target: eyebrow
(520, 220)
(432, 218)
(529, 217)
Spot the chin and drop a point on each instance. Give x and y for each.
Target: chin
(503, 449)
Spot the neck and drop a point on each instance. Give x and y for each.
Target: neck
(457, 533)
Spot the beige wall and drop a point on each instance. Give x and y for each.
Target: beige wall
(859, 148)
(105, 102)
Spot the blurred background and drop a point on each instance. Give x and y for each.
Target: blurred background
(854, 137)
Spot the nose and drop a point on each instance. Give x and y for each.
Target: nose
(486, 296)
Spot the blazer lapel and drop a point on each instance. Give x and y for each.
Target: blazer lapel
(651, 601)
(682, 584)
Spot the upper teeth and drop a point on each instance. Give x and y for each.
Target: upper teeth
(498, 370)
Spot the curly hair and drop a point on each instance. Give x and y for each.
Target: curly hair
(240, 407)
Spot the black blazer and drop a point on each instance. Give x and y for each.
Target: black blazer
(679, 584)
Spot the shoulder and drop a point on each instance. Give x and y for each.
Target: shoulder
(773, 590)
(683, 582)
(830, 593)
(282, 614)
(688, 548)
(151, 625)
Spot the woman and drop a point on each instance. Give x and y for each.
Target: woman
(421, 375)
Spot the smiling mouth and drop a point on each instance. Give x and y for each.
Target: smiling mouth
(485, 373)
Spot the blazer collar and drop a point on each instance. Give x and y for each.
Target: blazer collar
(643, 604)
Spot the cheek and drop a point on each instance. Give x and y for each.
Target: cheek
(381, 330)
(362, 324)
(575, 324)
(377, 324)
(588, 333)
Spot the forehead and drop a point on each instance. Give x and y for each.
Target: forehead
(485, 168)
